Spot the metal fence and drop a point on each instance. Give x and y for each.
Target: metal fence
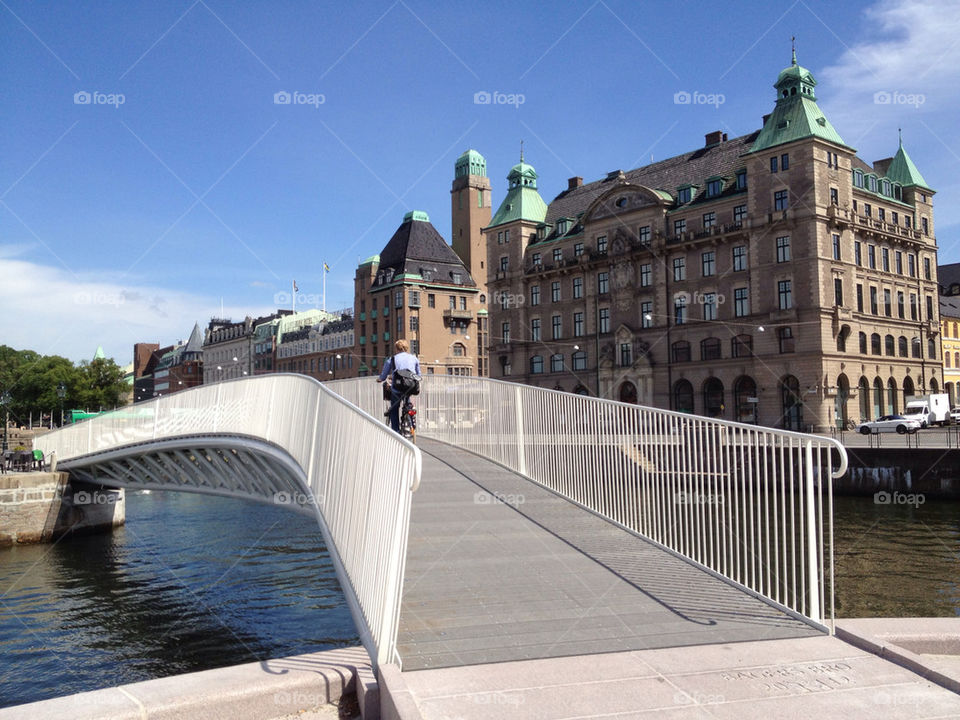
(751, 504)
(359, 475)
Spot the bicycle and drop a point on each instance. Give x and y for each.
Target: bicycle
(408, 414)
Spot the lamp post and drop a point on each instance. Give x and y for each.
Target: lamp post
(61, 393)
(5, 403)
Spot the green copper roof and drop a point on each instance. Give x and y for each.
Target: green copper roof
(418, 215)
(99, 355)
(522, 202)
(370, 260)
(903, 171)
(470, 163)
(796, 115)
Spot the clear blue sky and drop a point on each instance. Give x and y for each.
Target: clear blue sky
(129, 222)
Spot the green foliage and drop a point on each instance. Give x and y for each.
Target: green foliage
(32, 380)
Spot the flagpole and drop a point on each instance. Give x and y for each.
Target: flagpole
(293, 295)
(324, 287)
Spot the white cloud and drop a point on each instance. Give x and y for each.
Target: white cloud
(908, 69)
(49, 310)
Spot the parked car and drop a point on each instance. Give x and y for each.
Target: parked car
(955, 415)
(890, 423)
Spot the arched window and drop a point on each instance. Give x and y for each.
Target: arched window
(931, 348)
(891, 397)
(791, 403)
(956, 359)
(908, 391)
(683, 396)
(889, 346)
(680, 351)
(902, 346)
(841, 414)
(713, 405)
(875, 343)
(745, 399)
(915, 347)
(459, 350)
(842, 338)
(556, 362)
(934, 385)
(877, 398)
(863, 343)
(710, 349)
(864, 392)
(628, 393)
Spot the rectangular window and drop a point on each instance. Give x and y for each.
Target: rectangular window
(709, 220)
(838, 292)
(431, 300)
(834, 196)
(773, 164)
(785, 295)
(783, 249)
(398, 299)
(603, 283)
(557, 255)
(885, 259)
(536, 365)
(504, 263)
(881, 214)
(535, 329)
(900, 308)
(555, 291)
(887, 303)
(710, 306)
(708, 263)
(872, 257)
(739, 214)
(912, 265)
(604, 320)
(858, 253)
(557, 324)
(577, 288)
(868, 209)
(739, 258)
(742, 180)
(924, 226)
(602, 244)
(836, 246)
(626, 355)
(506, 236)
(534, 295)
(645, 236)
(535, 259)
(929, 308)
(873, 301)
(578, 249)
(784, 162)
(680, 311)
(453, 302)
(578, 324)
(913, 306)
(898, 257)
(679, 269)
(894, 218)
(859, 297)
(505, 332)
(646, 314)
(780, 200)
(679, 227)
(714, 187)
(741, 302)
(556, 363)
(646, 275)
(926, 268)
(580, 360)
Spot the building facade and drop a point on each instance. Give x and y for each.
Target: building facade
(774, 278)
(418, 289)
(324, 351)
(161, 371)
(229, 347)
(949, 277)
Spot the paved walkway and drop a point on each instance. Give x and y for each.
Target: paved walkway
(499, 569)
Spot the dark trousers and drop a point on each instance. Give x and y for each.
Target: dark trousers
(396, 401)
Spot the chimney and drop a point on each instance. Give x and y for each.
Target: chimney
(574, 182)
(715, 138)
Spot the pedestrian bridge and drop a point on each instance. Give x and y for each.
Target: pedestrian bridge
(528, 524)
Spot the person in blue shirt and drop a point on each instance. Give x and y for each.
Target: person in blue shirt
(403, 360)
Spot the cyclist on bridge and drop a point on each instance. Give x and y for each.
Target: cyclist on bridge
(402, 360)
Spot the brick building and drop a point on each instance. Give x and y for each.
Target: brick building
(162, 371)
(774, 278)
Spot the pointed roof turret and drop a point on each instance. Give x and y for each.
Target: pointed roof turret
(99, 354)
(195, 343)
(522, 202)
(796, 115)
(903, 171)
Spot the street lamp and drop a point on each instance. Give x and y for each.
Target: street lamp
(5, 403)
(61, 393)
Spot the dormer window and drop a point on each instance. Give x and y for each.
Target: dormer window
(897, 191)
(562, 225)
(714, 187)
(684, 194)
(858, 178)
(886, 188)
(541, 232)
(872, 181)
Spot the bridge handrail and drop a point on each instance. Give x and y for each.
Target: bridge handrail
(749, 503)
(359, 474)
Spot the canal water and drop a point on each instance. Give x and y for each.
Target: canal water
(195, 582)
(191, 582)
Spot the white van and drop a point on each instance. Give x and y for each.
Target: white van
(931, 409)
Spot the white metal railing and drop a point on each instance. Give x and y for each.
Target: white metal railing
(749, 503)
(359, 474)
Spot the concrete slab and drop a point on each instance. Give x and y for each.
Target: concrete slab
(818, 677)
(500, 569)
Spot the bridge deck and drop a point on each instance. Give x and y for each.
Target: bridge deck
(490, 581)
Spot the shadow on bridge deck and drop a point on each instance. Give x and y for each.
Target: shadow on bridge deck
(490, 581)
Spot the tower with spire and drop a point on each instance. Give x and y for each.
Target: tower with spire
(470, 213)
